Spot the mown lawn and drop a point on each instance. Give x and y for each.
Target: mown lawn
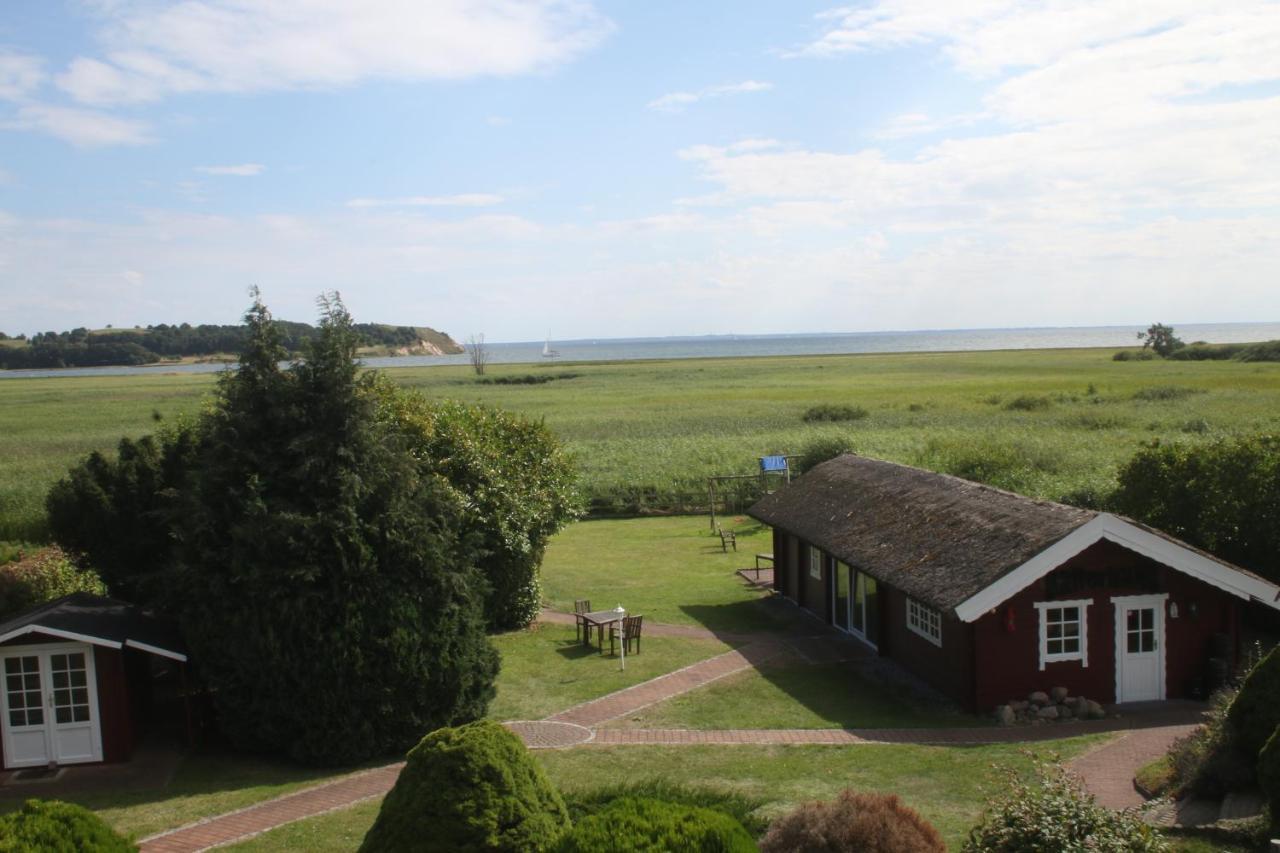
(671, 570)
(1045, 422)
(798, 696)
(948, 785)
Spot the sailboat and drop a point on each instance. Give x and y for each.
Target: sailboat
(547, 351)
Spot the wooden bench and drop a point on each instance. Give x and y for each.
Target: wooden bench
(727, 538)
(766, 557)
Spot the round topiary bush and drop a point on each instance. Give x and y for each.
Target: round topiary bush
(854, 823)
(57, 826)
(470, 788)
(639, 825)
(1255, 712)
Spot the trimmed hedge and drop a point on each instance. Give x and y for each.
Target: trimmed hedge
(57, 827)
(735, 804)
(854, 823)
(470, 788)
(639, 825)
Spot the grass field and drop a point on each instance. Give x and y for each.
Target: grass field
(646, 434)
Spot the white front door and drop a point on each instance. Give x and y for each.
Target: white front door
(50, 706)
(1139, 647)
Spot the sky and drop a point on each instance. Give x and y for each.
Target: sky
(601, 169)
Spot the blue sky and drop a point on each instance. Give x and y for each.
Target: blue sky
(615, 169)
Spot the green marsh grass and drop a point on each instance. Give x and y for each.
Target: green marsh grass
(648, 433)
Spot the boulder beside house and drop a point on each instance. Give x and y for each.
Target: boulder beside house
(85, 678)
(990, 596)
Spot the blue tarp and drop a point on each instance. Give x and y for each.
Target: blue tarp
(773, 463)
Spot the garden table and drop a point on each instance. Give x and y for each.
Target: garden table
(600, 619)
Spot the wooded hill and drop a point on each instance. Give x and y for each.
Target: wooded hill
(95, 348)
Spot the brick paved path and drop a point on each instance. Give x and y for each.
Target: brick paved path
(1108, 770)
(247, 822)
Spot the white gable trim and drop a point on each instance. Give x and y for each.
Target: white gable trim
(55, 632)
(156, 650)
(1132, 537)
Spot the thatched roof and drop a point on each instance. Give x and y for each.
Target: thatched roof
(937, 538)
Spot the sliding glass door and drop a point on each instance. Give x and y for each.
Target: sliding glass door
(857, 603)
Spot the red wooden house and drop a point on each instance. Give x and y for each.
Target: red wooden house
(79, 680)
(989, 596)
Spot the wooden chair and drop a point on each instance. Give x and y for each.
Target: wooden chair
(727, 538)
(581, 630)
(631, 627)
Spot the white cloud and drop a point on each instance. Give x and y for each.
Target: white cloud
(83, 128)
(676, 101)
(460, 200)
(153, 49)
(242, 170)
(20, 75)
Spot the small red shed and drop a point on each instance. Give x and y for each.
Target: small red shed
(989, 595)
(78, 675)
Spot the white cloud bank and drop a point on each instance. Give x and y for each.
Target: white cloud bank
(152, 50)
(460, 200)
(241, 170)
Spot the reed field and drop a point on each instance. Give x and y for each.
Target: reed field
(646, 434)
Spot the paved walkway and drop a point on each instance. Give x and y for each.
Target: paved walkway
(1108, 770)
(1104, 767)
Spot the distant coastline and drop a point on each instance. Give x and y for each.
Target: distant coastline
(738, 346)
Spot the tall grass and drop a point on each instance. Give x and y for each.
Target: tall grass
(648, 434)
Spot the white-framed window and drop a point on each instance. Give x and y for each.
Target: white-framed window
(815, 563)
(925, 621)
(1064, 631)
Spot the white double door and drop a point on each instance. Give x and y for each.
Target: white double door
(50, 705)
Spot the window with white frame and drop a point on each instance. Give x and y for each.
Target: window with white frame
(815, 563)
(1064, 631)
(925, 621)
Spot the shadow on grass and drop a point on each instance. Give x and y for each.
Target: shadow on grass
(741, 620)
(575, 650)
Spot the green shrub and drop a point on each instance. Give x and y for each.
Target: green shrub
(854, 823)
(43, 576)
(1206, 762)
(1134, 355)
(1165, 393)
(1265, 351)
(821, 449)
(1269, 774)
(57, 827)
(638, 825)
(1200, 351)
(1047, 809)
(738, 806)
(1253, 715)
(1028, 403)
(471, 788)
(828, 412)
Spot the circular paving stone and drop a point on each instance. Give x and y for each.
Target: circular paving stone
(543, 734)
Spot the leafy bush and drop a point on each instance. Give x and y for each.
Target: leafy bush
(43, 576)
(821, 449)
(51, 825)
(738, 806)
(515, 483)
(1269, 774)
(525, 379)
(854, 823)
(1134, 355)
(1205, 761)
(1223, 496)
(1253, 715)
(1028, 403)
(638, 825)
(1048, 810)
(829, 412)
(1200, 351)
(1265, 351)
(471, 788)
(1165, 393)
